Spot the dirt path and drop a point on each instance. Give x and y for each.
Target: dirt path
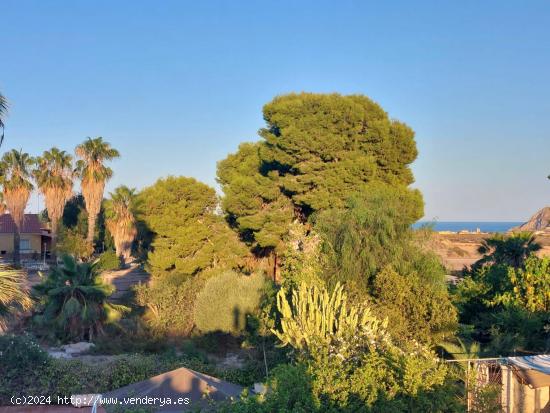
(125, 279)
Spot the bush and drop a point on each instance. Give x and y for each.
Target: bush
(73, 243)
(21, 362)
(353, 360)
(290, 391)
(418, 310)
(26, 369)
(108, 261)
(170, 303)
(226, 302)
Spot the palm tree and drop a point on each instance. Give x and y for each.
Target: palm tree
(94, 174)
(510, 250)
(462, 350)
(121, 211)
(3, 110)
(74, 300)
(13, 293)
(15, 177)
(54, 176)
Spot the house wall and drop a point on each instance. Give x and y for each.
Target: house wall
(6, 243)
(520, 398)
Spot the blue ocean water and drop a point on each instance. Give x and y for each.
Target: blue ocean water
(456, 226)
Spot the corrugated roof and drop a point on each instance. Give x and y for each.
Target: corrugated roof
(31, 224)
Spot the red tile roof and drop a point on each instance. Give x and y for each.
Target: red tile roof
(31, 224)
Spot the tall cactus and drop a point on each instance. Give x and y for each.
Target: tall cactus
(315, 316)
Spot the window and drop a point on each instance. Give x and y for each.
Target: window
(24, 244)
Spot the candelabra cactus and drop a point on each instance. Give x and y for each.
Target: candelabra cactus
(315, 316)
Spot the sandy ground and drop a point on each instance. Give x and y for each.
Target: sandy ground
(460, 250)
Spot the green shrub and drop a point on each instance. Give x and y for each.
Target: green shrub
(170, 301)
(71, 242)
(227, 300)
(108, 261)
(353, 360)
(22, 361)
(290, 391)
(26, 369)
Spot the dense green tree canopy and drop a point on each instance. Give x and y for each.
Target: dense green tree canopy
(327, 147)
(317, 151)
(189, 234)
(253, 201)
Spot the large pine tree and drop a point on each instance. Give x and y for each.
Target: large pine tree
(316, 152)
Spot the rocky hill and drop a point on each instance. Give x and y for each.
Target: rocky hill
(538, 222)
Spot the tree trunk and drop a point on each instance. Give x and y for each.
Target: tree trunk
(53, 254)
(275, 267)
(16, 247)
(91, 229)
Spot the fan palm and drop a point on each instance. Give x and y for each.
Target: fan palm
(461, 350)
(74, 300)
(3, 110)
(13, 293)
(54, 176)
(15, 177)
(94, 174)
(121, 211)
(510, 250)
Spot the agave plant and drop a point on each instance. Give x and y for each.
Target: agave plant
(13, 292)
(74, 300)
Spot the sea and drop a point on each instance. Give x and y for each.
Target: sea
(472, 226)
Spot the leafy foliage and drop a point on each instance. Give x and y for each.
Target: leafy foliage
(227, 300)
(317, 151)
(290, 391)
(327, 147)
(170, 302)
(20, 356)
(419, 311)
(530, 286)
(71, 242)
(74, 301)
(108, 261)
(371, 248)
(347, 351)
(28, 370)
(302, 259)
(189, 236)
(253, 201)
(507, 306)
(371, 233)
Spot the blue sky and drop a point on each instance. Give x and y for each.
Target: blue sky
(176, 85)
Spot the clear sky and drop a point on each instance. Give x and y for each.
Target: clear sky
(176, 85)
